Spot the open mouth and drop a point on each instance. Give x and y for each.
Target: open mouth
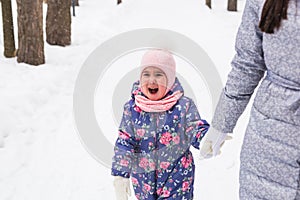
(153, 90)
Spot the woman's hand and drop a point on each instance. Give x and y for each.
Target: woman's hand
(212, 143)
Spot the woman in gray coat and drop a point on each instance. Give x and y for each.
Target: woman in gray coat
(267, 50)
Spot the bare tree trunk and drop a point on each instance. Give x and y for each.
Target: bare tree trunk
(232, 5)
(119, 1)
(76, 3)
(8, 29)
(208, 3)
(30, 32)
(58, 22)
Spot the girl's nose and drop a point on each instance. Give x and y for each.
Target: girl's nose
(152, 80)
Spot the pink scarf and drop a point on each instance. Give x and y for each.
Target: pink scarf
(148, 105)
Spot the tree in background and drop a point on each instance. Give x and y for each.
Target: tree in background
(119, 1)
(232, 5)
(8, 29)
(58, 22)
(208, 3)
(74, 4)
(30, 32)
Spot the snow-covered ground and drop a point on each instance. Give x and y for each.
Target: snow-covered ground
(41, 156)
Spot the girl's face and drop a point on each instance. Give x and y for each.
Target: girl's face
(153, 83)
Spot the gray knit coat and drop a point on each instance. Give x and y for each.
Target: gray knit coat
(270, 155)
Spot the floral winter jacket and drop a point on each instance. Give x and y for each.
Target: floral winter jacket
(153, 148)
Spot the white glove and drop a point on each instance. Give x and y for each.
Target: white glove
(212, 142)
(122, 187)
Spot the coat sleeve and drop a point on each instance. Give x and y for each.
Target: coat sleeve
(195, 127)
(248, 67)
(124, 147)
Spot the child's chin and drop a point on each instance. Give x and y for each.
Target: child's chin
(152, 98)
(155, 98)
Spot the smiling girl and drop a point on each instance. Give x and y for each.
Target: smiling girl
(158, 127)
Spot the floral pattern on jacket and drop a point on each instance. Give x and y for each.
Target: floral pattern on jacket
(153, 148)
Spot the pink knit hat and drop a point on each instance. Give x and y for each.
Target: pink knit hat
(163, 60)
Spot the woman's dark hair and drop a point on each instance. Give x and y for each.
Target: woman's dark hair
(272, 13)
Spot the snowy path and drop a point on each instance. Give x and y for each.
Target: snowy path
(43, 158)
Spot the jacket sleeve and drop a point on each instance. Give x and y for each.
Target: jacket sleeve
(195, 127)
(124, 147)
(248, 67)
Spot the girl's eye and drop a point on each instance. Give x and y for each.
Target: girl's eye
(146, 75)
(159, 74)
